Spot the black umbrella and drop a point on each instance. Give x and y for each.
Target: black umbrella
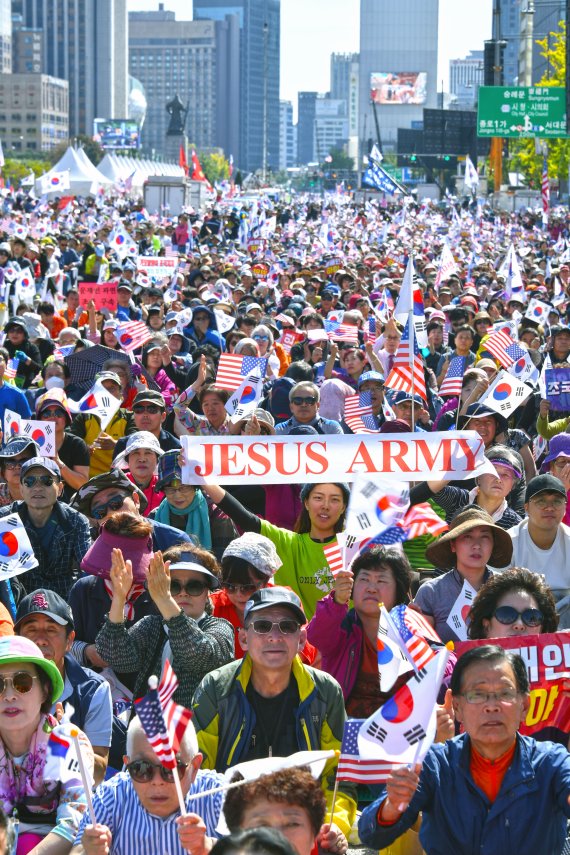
(86, 363)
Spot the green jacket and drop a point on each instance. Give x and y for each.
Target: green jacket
(224, 720)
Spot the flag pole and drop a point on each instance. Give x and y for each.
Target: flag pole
(333, 804)
(87, 783)
(412, 334)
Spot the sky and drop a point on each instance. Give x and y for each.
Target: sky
(313, 29)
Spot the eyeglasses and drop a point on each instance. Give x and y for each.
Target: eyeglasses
(286, 627)
(153, 409)
(15, 464)
(177, 488)
(504, 696)
(553, 501)
(242, 589)
(261, 338)
(143, 771)
(193, 588)
(31, 480)
(52, 413)
(298, 401)
(508, 615)
(114, 504)
(22, 682)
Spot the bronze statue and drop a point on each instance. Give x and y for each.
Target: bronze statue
(178, 113)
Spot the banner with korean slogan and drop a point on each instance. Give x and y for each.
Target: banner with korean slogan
(547, 660)
(16, 553)
(505, 394)
(104, 295)
(157, 269)
(558, 388)
(459, 613)
(404, 727)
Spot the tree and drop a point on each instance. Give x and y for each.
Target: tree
(216, 167)
(524, 157)
(338, 160)
(92, 149)
(14, 171)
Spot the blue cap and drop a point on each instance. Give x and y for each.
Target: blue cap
(41, 463)
(374, 376)
(401, 397)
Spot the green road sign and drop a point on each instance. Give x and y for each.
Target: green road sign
(521, 111)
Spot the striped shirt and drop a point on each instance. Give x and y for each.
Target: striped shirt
(134, 830)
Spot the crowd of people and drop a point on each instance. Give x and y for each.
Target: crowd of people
(272, 651)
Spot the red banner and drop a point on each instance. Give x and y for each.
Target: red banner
(547, 658)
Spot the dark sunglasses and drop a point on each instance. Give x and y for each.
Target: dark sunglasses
(153, 409)
(52, 413)
(261, 338)
(286, 627)
(114, 504)
(15, 464)
(508, 615)
(143, 771)
(242, 589)
(32, 480)
(193, 588)
(21, 681)
(298, 401)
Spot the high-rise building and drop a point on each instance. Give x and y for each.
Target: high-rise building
(398, 60)
(306, 110)
(27, 48)
(227, 96)
(465, 78)
(545, 20)
(33, 112)
(5, 37)
(287, 154)
(259, 22)
(342, 64)
(509, 32)
(170, 58)
(84, 43)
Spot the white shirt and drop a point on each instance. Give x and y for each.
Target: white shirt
(553, 563)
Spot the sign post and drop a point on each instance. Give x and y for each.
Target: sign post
(522, 111)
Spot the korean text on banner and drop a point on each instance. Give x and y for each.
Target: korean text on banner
(279, 459)
(558, 388)
(104, 294)
(157, 269)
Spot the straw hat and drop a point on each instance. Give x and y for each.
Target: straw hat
(439, 552)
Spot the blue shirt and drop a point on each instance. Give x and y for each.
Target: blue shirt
(13, 399)
(134, 830)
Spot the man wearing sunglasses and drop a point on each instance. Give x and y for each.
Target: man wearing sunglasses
(137, 810)
(304, 403)
(59, 535)
(149, 413)
(270, 704)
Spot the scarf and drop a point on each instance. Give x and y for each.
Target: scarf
(24, 785)
(197, 519)
(133, 595)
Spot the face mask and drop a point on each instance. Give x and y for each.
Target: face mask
(54, 383)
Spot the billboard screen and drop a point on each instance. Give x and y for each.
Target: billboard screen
(113, 134)
(400, 87)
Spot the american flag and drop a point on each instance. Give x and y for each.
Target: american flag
(163, 721)
(351, 767)
(422, 519)
(133, 335)
(370, 333)
(400, 377)
(333, 555)
(545, 188)
(453, 380)
(392, 534)
(516, 352)
(358, 413)
(498, 345)
(341, 332)
(409, 629)
(233, 368)
(11, 369)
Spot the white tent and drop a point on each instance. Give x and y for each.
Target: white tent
(82, 175)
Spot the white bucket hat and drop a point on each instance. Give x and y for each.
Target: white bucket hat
(136, 441)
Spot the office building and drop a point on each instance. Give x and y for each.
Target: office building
(84, 43)
(342, 65)
(26, 48)
(170, 58)
(330, 128)
(545, 21)
(306, 110)
(5, 37)
(465, 78)
(510, 31)
(398, 64)
(33, 112)
(259, 30)
(287, 136)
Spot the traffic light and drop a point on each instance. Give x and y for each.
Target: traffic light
(446, 157)
(413, 158)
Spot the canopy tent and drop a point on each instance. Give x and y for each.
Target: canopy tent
(83, 176)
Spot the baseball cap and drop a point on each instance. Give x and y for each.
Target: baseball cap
(544, 484)
(17, 445)
(189, 561)
(150, 396)
(108, 375)
(45, 602)
(257, 550)
(40, 463)
(371, 375)
(82, 500)
(276, 596)
(401, 397)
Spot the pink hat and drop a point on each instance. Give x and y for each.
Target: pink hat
(53, 396)
(138, 550)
